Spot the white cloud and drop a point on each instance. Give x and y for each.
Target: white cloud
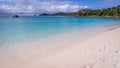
(41, 6)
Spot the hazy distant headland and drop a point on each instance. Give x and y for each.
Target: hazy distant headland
(108, 12)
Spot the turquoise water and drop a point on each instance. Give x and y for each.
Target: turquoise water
(33, 27)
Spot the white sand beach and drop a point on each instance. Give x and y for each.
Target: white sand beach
(99, 51)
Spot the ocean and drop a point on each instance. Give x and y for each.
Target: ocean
(23, 32)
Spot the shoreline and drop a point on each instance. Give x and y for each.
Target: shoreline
(99, 16)
(98, 51)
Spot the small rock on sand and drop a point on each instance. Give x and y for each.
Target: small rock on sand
(116, 51)
(106, 59)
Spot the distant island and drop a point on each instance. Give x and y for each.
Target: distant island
(108, 12)
(15, 16)
(56, 14)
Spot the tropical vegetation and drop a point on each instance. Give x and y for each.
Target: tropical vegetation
(114, 11)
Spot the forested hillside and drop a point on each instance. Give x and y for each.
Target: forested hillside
(114, 11)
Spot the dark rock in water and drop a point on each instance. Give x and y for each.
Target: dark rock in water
(15, 16)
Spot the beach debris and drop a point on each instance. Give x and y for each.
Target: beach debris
(15, 16)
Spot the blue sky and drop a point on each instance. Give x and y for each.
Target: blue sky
(53, 6)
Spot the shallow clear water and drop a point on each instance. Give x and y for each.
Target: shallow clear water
(33, 27)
